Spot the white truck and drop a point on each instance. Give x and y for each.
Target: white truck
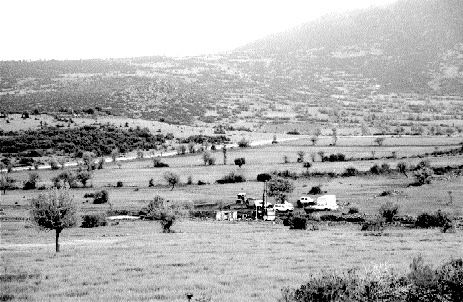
(322, 203)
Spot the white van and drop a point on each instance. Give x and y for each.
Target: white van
(325, 202)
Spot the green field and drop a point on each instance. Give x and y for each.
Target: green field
(225, 261)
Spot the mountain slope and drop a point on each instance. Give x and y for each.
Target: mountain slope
(404, 46)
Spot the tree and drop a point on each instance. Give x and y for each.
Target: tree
(335, 136)
(243, 143)
(300, 156)
(388, 211)
(423, 175)
(314, 140)
(54, 210)
(164, 211)
(89, 160)
(307, 165)
(65, 177)
(208, 159)
(171, 178)
(240, 161)
(114, 154)
(403, 167)
(6, 182)
(279, 188)
(83, 177)
(380, 141)
(31, 183)
(224, 151)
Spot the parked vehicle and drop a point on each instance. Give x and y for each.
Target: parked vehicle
(305, 201)
(283, 207)
(325, 202)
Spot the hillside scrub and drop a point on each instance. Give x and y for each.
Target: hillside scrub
(231, 178)
(422, 283)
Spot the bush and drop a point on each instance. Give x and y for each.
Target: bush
(243, 143)
(231, 178)
(157, 163)
(240, 161)
(351, 171)
(263, 177)
(423, 176)
(388, 211)
(438, 219)
(93, 221)
(89, 195)
(119, 184)
(101, 197)
(380, 283)
(295, 222)
(315, 190)
(353, 210)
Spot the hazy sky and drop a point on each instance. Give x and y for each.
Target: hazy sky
(74, 29)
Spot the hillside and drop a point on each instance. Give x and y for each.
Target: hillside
(412, 46)
(396, 69)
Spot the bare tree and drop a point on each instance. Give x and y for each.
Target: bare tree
(54, 210)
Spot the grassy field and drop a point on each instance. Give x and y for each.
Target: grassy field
(243, 261)
(223, 261)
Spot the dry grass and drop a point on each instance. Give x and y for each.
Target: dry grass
(223, 261)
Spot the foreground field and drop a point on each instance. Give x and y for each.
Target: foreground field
(245, 261)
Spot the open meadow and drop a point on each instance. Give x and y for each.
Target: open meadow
(227, 261)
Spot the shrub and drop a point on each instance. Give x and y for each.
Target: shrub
(31, 183)
(89, 195)
(231, 178)
(388, 211)
(263, 177)
(243, 143)
(293, 132)
(157, 163)
(240, 161)
(438, 219)
(295, 222)
(119, 184)
(423, 176)
(164, 211)
(351, 171)
(375, 169)
(315, 190)
(93, 220)
(101, 197)
(353, 210)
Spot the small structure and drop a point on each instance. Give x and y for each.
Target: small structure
(226, 215)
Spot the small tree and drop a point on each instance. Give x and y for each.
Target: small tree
(31, 183)
(208, 159)
(65, 177)
(279, 188)
(172, 179)
(307, 165)
(224, 151)
(380, 141)
(54, 210)
(388, 211)
(243, 143)
(285, 159)
(101, 197)
(240, 161)
(335, 136)
(83, 177)
(181, 149)
(89, 160)
(403, 167)
(114, 154)
(54, 165)
(423, 175)
(164, 211)
(314, 140)
(300, 156)
(6, 182)
(140, 154)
